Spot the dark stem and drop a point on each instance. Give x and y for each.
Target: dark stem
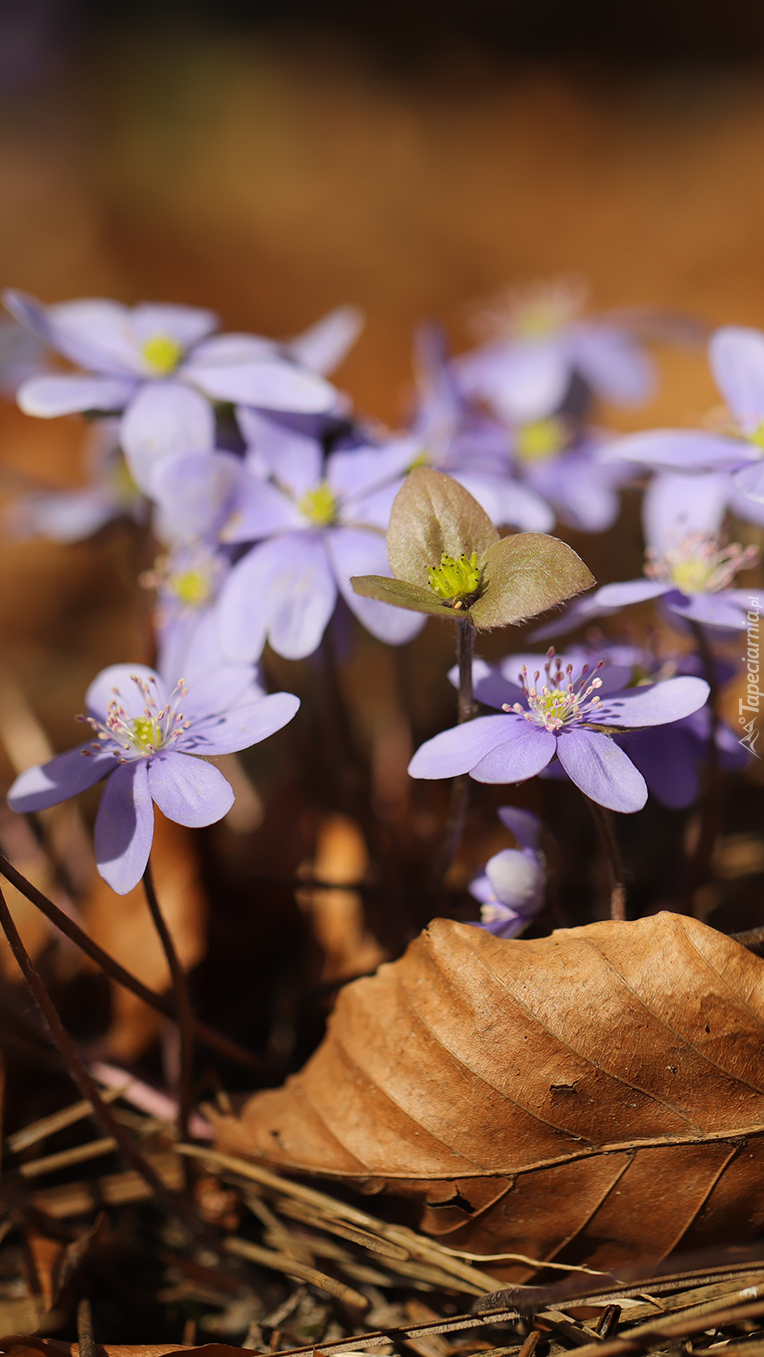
(79, 937)
(183, 1011)
(711, 807)
(603, 819)
(85, 1329)
(79, 1072)
(460, 786)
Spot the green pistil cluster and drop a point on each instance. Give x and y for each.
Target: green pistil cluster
(319, 505)
(455, 581)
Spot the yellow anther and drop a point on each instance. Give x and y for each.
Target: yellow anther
(455, 580)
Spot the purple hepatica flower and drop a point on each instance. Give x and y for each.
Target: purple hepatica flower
(318, 520)
(148, 739)
(736, 356)
(561, 464)
(469, 445)
(687, 564)
(538, 345)
(669, 756)
(511, 887)
(163, 368)
(560, 712)
(71, 515)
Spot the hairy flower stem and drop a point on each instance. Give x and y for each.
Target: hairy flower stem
(603, 819)
(111, 967)
(460, 786)
(711, 807)
(176, 1206)
(183, 1011)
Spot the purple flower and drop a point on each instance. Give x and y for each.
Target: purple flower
(149, 736)
(318, 520)
(539, 344)
(560, 712)
(561, 463)
(687, 564)
(163, 368)
(736, 356)
(467, 444)
(511, 886)
(71, 515)
(669, 756)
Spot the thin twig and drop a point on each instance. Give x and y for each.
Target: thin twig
(159, 1002)
(89, 1089)
(183, 1011)
(604, 821)
(460, 785)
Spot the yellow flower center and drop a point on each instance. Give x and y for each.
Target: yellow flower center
(319, 505)
(455, 581)
(540, 440)
(192, 587)
(146, 733)
(693, 576)
(162, 353)
(757, 436)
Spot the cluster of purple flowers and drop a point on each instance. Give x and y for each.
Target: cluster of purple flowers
(268, 496)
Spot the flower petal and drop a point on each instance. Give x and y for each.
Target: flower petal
(284, 587)
(117, 680)
(124, 827)
(260, 510)
(187, 325)
(164, 418)
(268, 383)
(193, 491)
(655, 705)
(613, 364)
(620, 595)
(516, 879)
(523, 381)
(668, 761)
(64, 776)
(750, 480)
(601, 770)
(676, 507)
(457, 750)
(92, 331)
(245, 725)
(188, 790)
(736, 354)
(323, 346)
(525, 826)
(353, 553)
(678, 449)
(711, 610)
(47, 397)
(530, 750)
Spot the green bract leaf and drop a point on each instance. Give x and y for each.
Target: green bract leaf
(402, 593)
(433, 516)
(524, 575)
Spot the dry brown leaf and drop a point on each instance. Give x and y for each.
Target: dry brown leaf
(122, 925)
(596, 1096)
